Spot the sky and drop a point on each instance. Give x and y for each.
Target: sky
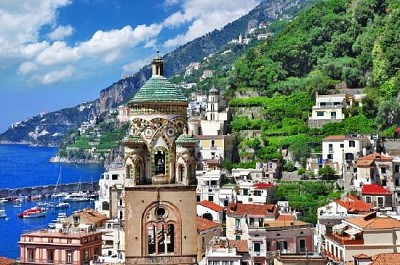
(56, 54)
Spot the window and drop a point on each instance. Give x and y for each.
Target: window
(211, 198)
(114, 177)
(383, 170)
(352, 144)
(396, 168)
(159, 162)
(31, 255)
(330, 156)
(198, 198)
(368, 199)
(341, 145)
(320, 113)
(257, 247)
(212, 143)
(282, 245)
(257, 193)
(50, 255)
(380, 201)
(333, 115)
(105, 206)
(330, 147)
(245, 192)
(69, 257)
(86, 256)
(302, 245)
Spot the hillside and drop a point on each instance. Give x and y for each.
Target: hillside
(335, 44)
(45, 129)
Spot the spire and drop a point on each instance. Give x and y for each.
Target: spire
(157, 65)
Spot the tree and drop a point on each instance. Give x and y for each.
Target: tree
(326, 172)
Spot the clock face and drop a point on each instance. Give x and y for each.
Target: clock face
(170, 131)
(148, 132)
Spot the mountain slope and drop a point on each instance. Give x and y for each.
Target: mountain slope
(48, 129)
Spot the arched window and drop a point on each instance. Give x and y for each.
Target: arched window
(105, 206)
(181, 172)
(159, 162)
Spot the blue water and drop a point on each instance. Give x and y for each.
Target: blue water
(25, 166)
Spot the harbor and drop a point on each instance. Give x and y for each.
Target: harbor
(46, 191)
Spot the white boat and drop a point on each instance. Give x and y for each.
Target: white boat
(60, 217)
(62, 205)
(3, 213)
(77, 197)
(57, 194)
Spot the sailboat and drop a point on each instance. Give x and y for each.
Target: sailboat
(78, 196)
(56, 194)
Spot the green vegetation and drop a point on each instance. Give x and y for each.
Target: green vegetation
(306, 196)
(336, 42)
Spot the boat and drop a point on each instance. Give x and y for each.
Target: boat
(57, 194)
(17, 205)
(33, 212)
(62, 205)
(77, 197)
(3, 213)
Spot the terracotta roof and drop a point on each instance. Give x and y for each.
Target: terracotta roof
(369, 159)
(92, 216)
(371, 222)
(286, 223)
(386, 258)
(7, 261)
(353, 204)
(252, 209)
(211, 205)
(241, 245)
(205, 224)
(361, 256)
(374, 189)
(286, 217)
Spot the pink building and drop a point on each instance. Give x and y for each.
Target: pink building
(51, 246)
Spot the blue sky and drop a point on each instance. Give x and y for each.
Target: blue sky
(56, 54)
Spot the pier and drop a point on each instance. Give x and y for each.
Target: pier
(48, 190)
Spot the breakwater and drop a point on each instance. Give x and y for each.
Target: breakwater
(48, 190)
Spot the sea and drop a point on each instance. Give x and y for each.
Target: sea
(27, 166)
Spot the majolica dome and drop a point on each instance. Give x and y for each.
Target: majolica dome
(158, 89)
(185, 138)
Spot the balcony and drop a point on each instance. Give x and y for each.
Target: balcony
(345, 240)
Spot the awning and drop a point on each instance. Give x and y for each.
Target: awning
(352, 231)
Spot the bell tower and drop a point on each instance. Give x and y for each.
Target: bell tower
(160, 187)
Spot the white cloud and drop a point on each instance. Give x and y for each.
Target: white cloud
(55, 75)
(112, 43)
(27, 67)
(168, 3)
(21, 20)
(60, 32)
(57, 53)
(136, 65)
(205, 16)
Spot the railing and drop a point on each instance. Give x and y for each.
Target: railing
(345, 240)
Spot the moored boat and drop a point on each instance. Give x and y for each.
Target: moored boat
(77, 197)
(33, 212)
(3, 213)
(62, 205)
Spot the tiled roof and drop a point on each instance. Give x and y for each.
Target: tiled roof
(205, 224)
(386, 258)
(7, 261)
(353, 204)
(374, 189)
(286, 223)
(185, 138)
(158, 89)
(371, 222)
(211, 205)
(263, 185)
(252, 209)
(334, 138)
(286, 217)
(92, 216)
(376, 157)
(241, 245)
